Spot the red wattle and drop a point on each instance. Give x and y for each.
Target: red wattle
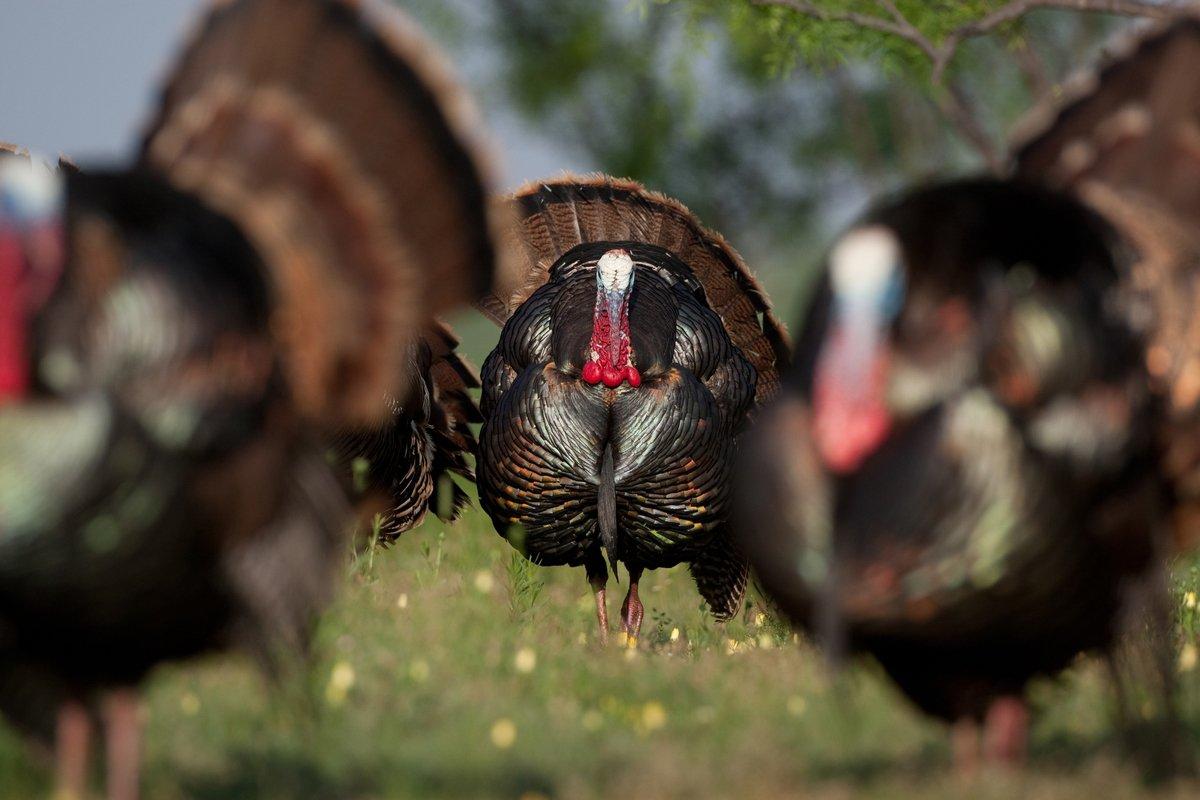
(847, 435)
(613, 377)
(851, 418)
(592, 373)
(14, 374)
(633, 376)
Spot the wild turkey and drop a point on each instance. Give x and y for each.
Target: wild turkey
(1125, 138)
(635, 345)
(246, 291)
(403, 467)
(958, 477)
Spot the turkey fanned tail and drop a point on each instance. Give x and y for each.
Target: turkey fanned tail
(721, 573)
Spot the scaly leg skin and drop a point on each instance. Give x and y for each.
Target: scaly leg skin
(123, 729)
(73, 736)
(597, 575)
(964, 740)
(601, 609)
(632, 610)
(1006, 732)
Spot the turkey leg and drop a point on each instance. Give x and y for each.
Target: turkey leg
(1006, 731)
(964, 740)
(597, 575)
(72, 740)
(632, 610)
(123, 736)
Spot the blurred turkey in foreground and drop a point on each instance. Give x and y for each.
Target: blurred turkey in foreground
(635, 343)
(958, 477)
(1125, 138)
(252, 287)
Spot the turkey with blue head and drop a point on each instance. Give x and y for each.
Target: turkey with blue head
(636, 344)
(959, 476)
(180, 341)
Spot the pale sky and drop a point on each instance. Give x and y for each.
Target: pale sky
(80, 77)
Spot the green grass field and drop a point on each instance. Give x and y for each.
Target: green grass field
(451, 668)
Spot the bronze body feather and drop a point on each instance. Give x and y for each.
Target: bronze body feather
(1125, 139)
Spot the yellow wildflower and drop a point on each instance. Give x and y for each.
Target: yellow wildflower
(189, 704)
(341, 681)
(504, 733)
(654, 716)
(1188, 657)
(484, 582)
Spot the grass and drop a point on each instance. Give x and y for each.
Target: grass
(451, 668)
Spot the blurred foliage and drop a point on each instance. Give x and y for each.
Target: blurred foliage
(770, 125)
(1003, 71)
(647, 99)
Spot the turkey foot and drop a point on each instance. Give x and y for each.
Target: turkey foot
(1006, 732)
(123, 735)
(73, 735)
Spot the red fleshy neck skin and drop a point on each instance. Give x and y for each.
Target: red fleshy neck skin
(851, 418)
(609, 349)
(14, 368)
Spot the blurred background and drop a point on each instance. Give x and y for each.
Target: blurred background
(450, 667)
(775, 129)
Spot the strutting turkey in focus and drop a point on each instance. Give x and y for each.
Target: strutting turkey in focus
(635, 344)
(307, 197)
(958, 476)
(1125, 139)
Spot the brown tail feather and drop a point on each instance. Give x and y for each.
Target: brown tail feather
(411, 458)
(452, 377)
(721, 573)
(1126, 138)
(555, 216)
(332, 133)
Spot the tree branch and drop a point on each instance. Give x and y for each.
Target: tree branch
(910, 31)
(1019, 8)
(1122, 8)
(828, 15)
(1032, 67)
(951, 98)
(954, 102)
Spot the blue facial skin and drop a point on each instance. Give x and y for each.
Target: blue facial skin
(613, 300)
(860, 321)
(26, 200)
(882, 304)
